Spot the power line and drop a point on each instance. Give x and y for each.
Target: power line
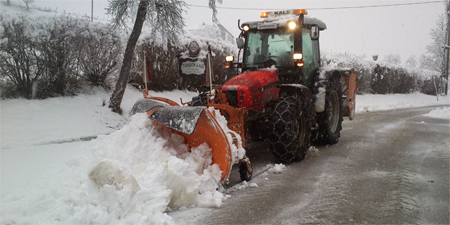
(328, 8)
(377, 6)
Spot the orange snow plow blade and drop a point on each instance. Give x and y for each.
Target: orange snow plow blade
(208, 131)
(196, 124)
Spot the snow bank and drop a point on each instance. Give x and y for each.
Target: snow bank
(441, 113)
(46, 163)
(129, 177)
(370, 102)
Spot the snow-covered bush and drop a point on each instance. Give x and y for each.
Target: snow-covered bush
(433, 84)
(20, 61)
(54, 38)
(165, 65)
(381, 77)
(392, 79)
(364, 69)
(51, 56)
(99, 49)
(220, 47)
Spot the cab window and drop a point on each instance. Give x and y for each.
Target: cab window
(311, 58)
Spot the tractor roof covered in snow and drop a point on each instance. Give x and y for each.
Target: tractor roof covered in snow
(278, 19)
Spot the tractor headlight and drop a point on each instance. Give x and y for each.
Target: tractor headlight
(246, 28)
(298, 56)
(292, 25)
(229, 58)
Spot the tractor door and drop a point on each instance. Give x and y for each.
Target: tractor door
(311, 57)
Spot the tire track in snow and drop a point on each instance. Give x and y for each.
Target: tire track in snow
(404, 186)
(350, 196)
(441, 152)
(392, 197)
(401, 205)
(248, 213)
(81, 139)
(432, 176)
(332, 195)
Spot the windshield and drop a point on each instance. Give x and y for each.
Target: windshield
(269, 48)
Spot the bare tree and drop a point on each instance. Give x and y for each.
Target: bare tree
(434, 58)
(27, 2)
(166, 21)
(411, 62)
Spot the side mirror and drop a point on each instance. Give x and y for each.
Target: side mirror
(240, 42)
(315, 32)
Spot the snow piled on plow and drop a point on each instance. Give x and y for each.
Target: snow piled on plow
(132, 176)
(237, 152)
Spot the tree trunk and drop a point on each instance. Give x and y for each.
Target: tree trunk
(8, 2)
(117, 95)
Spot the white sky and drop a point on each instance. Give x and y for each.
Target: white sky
(400, 30)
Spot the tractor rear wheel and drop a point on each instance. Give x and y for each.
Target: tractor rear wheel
(290, 132)
(330, 120)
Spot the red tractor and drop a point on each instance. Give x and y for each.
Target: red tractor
(282, 96)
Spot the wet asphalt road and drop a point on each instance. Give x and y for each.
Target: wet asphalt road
(388, 167)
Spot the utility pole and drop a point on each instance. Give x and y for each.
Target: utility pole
(92, 10)
(446, 50)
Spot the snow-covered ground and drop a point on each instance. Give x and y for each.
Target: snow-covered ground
(53, 149)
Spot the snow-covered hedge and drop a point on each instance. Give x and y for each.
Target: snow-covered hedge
(164, 59)
(383, 77)
(51, 55)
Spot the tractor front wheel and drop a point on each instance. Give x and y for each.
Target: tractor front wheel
(290, 132)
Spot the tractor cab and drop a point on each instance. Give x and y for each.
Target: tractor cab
(285, 41)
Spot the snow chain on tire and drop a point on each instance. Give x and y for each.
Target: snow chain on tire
(290, 130)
